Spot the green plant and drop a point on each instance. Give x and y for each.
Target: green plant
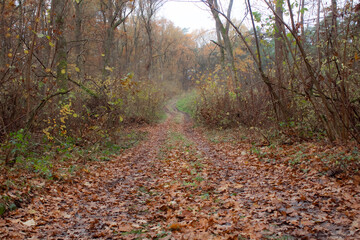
(205, 196)
(42, 166)
(199, 178)
(257, 151)
(187, 103)
(2, 208)
(19, 142)
(192, 184)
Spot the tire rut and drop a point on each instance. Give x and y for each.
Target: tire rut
(178, 185)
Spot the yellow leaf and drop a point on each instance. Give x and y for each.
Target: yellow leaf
(10, 55)
(121, 119)
(108, 68)
(75, 115)
(103, 55)
(51, 44)
(131, 75)
(77, 69)
(63, 71)
(48, 70)
(26, 51)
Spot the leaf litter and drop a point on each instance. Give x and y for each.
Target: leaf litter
(178, 185)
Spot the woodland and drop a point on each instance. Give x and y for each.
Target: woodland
(117, 124)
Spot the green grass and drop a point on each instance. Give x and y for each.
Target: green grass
(58, 161)
(177, 137)
(187, 103)
(161, 117)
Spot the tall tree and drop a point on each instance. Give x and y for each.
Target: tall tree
(78, 5)
(148, 9)
(29, 59)
(279, 55)
(114, 13)
(222, 32)
(59, 10)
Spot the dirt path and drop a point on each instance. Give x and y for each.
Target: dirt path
(176, 185)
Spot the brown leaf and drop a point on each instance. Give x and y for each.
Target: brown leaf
(355, 225)
(307, 223)
(125, 228)
(175, 227)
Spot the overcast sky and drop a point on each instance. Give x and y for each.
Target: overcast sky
(192, 15)
(195, 15)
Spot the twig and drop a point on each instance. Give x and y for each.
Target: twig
(40, 106)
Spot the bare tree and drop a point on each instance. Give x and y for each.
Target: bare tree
(224, 41)
(58, 8)
(78, 5)
(147, 10)
(114, 13)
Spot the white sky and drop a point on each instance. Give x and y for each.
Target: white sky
(193, 15)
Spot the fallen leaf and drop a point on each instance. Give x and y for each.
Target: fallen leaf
(29, 223)
(125, 228)
(175, 227)
(307, 223)
(238, 186)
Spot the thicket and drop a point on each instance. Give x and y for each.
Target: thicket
(74, 72)
(75, 78)
(293, 78)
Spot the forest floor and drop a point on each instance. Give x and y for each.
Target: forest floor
(178, 184)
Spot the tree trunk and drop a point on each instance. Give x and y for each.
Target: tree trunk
(61, 44)
(107, 46)
(318, 34)
(150, 45)
(78, 37)
(3, 38)
(148, 10)
(29, 62)
(279, 58)
(224, 31)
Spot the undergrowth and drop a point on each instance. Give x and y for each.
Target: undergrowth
(37, 164)
(311, 157)
(300, 148)
(68, 132)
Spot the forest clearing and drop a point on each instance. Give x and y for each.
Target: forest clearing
(116, 123)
